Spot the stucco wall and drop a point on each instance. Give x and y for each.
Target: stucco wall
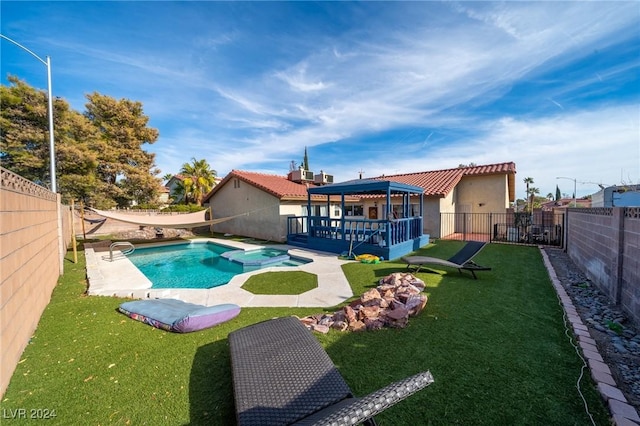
(485, 194)
(605, 244)
(263, 212)
(34, 234)
(431, 219)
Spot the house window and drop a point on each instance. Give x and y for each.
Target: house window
(236, 183)
(354, 210)
(315, 210)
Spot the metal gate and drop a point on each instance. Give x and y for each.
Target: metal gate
(518, 228)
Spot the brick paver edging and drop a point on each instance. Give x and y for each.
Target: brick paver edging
(622, 413)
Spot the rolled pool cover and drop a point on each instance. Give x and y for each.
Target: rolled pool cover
(178, 316)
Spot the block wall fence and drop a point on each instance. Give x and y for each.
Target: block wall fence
(35, 231)
(605, 244)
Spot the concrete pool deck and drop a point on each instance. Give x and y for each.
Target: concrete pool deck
(119, 277)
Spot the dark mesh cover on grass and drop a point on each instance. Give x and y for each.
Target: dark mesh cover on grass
(281, 373)
(282, 376)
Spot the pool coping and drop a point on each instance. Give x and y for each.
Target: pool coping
(120, 278)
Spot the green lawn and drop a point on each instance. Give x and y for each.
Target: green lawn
(293, 282)
(496, 347)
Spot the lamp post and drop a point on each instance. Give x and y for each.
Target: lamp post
(574, 188)
(52, 154)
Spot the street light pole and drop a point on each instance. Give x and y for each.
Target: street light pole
(52, 153)
(575, 204)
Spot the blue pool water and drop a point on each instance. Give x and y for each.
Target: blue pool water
(203, 265)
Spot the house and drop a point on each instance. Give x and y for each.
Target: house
(269, 200)
(565, 203)
(266, 200)
(617, 196)
(176, 192)
(475, 189)
(163, 196)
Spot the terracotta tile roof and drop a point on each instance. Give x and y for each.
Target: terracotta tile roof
(435, 183)
(276, 185)
(440, 182)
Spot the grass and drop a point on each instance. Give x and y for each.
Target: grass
(496, 347)
(295, 282)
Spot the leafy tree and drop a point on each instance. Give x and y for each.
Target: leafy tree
(25, 141)
(99, 155)
(24, 127)
(127, 170)
(198, 179)
(77, 157)
(558, 194)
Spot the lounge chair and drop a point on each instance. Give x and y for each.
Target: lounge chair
(461, 260)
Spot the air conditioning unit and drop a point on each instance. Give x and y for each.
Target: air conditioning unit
(301, 176)
(323, 178)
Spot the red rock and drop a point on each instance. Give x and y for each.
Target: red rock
(416, 303)
(340, 325)
(395, 304)
(339, 316)
(384, 288)
(374, 324)
(370, 295)
(398, 313)
(308, 321)
(350, 314)
(397, 296)
(389, 294)
(321, 328)
(401, 323)
(369, 312)
(357, 326)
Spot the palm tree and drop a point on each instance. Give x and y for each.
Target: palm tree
(532, 193)
(528, 181)
(198, 179)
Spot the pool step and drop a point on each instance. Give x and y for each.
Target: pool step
(237, 256)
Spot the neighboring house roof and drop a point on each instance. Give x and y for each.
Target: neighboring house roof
(439, 183)
(174, 179)
(278, 186)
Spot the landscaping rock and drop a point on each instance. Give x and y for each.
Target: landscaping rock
(397, 297)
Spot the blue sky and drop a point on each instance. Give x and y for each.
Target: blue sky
(378, 87)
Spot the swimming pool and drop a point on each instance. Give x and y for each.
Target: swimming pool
(203, 265)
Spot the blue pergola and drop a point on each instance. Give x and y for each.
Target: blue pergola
(389, 237)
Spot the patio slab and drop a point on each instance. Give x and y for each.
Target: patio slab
(120, 278)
